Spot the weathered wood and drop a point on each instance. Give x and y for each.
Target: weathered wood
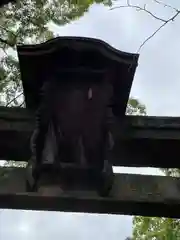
(34, 59)
(142, 141)
(131, 195)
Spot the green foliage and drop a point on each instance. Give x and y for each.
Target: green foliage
(135, 107)
(155, 228)
(28, 21)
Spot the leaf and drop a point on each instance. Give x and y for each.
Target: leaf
(152, 228)
(134, 107)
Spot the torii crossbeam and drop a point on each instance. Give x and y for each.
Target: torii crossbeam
(138, 141)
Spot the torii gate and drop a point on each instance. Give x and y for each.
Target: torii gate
(139, 142)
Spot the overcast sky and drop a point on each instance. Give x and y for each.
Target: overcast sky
(157, 80)
(156, 84)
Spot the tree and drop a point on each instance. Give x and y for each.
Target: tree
(27, 21)
(3, 2)
(156, 228)
(135, 107)
(153, 228)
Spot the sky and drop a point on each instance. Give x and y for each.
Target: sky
(156, 84)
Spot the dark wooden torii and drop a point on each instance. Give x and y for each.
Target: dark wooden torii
(85, 79)
(139, 141)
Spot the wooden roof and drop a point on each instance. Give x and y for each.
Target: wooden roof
(78, 56)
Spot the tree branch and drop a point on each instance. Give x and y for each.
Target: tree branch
(157, 30)
(14, 99)
(6, 42)
(165, 21)
(138, 8)
(165, 5)
(7, 30)
(22, 104)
